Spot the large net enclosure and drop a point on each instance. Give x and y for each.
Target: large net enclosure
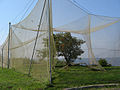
(30, 47)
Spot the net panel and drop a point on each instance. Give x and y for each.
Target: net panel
(88, 25)
(105, 44)
(23, 42)
(100, 33)
(4, 53)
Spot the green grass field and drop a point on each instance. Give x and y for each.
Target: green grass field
(77, 76)
(74, 76)
(11, 80)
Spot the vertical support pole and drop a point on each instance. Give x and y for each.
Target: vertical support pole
(9, 46)
(2, 56)
(36, 38)
(50, 28)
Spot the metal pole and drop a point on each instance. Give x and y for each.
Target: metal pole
(9, 46)
(50, 28)
(2, 57)
(36, 38)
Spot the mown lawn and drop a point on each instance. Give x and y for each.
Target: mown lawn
(11, 80)
(77, 76)
(74, 76)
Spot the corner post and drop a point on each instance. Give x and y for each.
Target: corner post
(9, 46)
(50, 29)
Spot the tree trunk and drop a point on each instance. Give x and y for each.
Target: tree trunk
(68, 62)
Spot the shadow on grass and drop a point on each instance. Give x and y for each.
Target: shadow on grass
(112, 68)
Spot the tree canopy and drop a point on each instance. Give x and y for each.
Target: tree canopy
(68, 46)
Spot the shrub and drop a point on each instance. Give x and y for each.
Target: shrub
(103, 62)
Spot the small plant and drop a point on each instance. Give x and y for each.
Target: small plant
(103, 62)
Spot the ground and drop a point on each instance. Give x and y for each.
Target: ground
(77, 76)
(11, 80)
(74, 76)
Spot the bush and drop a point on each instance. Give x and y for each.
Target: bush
(103, 62)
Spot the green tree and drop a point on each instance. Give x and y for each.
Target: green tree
(68, 46)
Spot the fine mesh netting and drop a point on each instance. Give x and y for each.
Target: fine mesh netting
(4, 54)
(96, 30)
(29, 43)
(32, 43)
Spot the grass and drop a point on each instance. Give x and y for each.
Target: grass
(77, 76)
(11, 80)
(74, 76)
(39, 70)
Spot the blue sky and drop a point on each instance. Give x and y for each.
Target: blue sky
(9, 9)
(102, 7)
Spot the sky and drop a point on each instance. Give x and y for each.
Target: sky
(10, 9)
(102, 7)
